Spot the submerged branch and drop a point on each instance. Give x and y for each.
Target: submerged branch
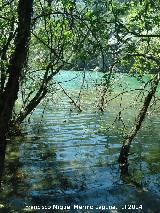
(72, 100)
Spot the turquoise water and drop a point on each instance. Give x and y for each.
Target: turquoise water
(74, 79)
(70, 158)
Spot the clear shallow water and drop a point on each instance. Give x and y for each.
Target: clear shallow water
(68, 158)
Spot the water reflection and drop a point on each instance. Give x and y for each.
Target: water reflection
(69, 158)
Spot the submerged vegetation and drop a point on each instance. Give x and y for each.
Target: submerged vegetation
(114, 48)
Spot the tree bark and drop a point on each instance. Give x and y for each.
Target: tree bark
(15, 67)
(123, 157)
(2, 154)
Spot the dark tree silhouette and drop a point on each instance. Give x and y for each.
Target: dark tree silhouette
(14, 70)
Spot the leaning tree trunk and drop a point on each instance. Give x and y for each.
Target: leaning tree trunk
(36, 100)
(123, 157)
(17, 61)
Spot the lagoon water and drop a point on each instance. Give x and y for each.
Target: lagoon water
(68, 158)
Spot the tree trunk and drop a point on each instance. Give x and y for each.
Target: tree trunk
(2, 154)
(36, 100)
(15, 67)
(123, 157)
(30, 107)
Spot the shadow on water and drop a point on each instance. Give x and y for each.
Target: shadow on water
(67, 159)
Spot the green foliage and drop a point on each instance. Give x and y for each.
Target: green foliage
(67, 32)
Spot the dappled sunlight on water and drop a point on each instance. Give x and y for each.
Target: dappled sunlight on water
(70, 158)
